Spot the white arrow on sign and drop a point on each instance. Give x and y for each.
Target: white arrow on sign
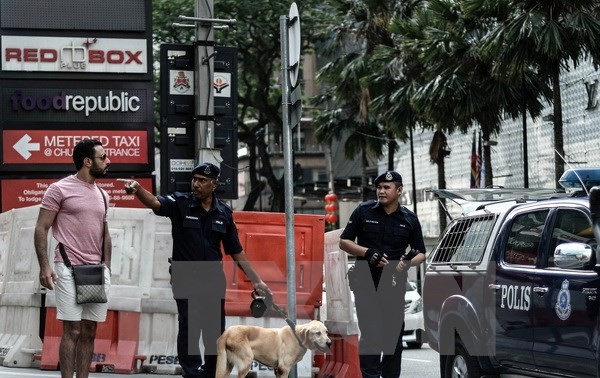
(23, 146)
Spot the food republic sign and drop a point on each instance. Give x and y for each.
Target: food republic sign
(83, 101)
(74, 54)
(117, 101)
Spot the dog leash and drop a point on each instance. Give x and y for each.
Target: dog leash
(280, 311)
(288, 321)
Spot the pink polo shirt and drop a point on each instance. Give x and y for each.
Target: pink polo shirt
(79, 222)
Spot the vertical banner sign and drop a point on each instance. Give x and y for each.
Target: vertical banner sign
(177, 110)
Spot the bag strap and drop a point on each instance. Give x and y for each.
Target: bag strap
(64, 255)
(103, 222)
(61, 247)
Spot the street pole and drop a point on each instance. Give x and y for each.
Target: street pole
(525, 153)
(204, 132)
(291, 112)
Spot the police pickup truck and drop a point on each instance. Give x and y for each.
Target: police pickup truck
(513, 284)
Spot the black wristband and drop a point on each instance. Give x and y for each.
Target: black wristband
(373, 256)
(410, 254)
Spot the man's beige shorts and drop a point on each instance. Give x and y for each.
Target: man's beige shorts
(66, 305)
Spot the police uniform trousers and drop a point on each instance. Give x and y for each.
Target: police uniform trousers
(201, 313)
(380, 312)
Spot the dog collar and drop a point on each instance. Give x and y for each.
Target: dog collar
(293, 327)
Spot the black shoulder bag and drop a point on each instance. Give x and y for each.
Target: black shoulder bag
(89, 279)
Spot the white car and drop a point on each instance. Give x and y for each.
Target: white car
(414, 327)
(413, 317)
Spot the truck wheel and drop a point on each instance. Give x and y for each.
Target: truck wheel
(414, 345)
(461, 365)
(418, 343)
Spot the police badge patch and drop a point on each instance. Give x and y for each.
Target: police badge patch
(563, 302)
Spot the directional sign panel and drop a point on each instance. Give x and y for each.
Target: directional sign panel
(56, 146)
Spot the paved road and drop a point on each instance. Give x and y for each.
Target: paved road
(421, 363)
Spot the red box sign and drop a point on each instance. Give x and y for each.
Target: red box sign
(17, 193)
(56, 146)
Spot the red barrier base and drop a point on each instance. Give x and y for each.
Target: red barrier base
(115, 346)
(343, 361)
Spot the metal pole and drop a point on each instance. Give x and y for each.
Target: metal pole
(204, 135)
(412, 168)
(329, 162)
(288, 176)
(414, 198)
(525, 157)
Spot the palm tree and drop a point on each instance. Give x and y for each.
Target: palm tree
(342, 114)
(460, 90)
(256, 35)
(548, 36)
(350, 45)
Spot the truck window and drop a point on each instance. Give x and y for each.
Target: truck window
(570, 226)
(524, 238)
(465, 240)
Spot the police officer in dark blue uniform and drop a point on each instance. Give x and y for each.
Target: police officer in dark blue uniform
(379, 233)
(201, 223)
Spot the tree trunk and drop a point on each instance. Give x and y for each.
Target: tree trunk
(487, 156)
(364, 180)
(559, 164)
(277, 200)
(391, 156)
(441, 171)
(256, 185)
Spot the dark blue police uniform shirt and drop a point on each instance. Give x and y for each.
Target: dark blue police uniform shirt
(372, 227)
(197, 233)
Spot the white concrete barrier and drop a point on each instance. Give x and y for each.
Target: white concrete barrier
(142, 244)
(20, 298)
(338, 304)
(158, 328)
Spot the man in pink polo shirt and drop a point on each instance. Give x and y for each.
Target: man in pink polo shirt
(75, 208)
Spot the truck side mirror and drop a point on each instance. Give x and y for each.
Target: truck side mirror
(572, 255)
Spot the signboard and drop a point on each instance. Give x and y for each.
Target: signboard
(74, 54)
(182, 82)
(128, 104)
(17, 193)
(71, 71)
(56, 146)
(222, 84)
(294, 44)
(181, 165)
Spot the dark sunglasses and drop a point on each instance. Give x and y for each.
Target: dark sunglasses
(101, 157)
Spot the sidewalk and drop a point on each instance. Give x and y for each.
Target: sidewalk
(6, 372)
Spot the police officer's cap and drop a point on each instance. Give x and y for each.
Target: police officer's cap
(208, 170)
(389, 176)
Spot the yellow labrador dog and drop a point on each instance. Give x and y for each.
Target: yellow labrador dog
(279, 348)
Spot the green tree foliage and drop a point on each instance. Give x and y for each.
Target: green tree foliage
(548, 36)
(461, 88)
(164, 14)
(349, 45)
(257, 37)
